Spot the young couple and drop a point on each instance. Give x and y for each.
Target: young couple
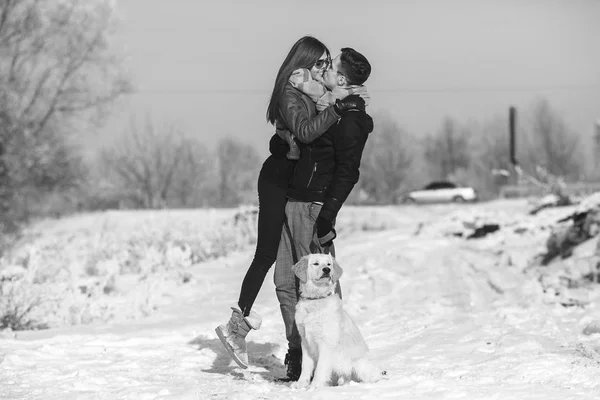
(318, 109)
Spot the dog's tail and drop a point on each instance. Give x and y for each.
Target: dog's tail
(364, 371)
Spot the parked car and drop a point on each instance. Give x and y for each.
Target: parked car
(441, 192)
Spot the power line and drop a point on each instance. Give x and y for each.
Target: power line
(489, 89)
(201, 91)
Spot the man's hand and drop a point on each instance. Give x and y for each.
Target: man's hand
(349, 103)
(325, 232)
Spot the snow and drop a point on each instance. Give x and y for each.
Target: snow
(448, 318)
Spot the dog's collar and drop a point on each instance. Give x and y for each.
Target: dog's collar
(316, 298)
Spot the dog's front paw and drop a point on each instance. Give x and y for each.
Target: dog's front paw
(316, 385)
(300, 384)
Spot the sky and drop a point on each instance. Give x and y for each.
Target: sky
(209, 67)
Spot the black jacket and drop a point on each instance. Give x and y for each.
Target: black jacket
(298, 114)
(328, 168)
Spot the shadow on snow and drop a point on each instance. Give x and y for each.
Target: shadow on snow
(262, 360)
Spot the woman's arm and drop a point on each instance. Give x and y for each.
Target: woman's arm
(295, 115)
(294, 152)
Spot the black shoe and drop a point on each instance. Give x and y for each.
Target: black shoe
(293, 360)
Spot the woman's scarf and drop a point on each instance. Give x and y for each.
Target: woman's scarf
(303, 81)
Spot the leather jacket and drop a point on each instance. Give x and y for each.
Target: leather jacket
(299, 116)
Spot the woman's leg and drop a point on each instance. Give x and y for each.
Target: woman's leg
(271, 214)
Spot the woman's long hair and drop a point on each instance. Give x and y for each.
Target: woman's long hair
(303, 54)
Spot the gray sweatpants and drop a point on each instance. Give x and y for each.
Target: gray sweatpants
(302, 235)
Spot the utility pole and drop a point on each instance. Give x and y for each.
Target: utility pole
(512, 141)
(597, 146)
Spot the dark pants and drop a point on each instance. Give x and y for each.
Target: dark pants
(271, 214)
(297, 241)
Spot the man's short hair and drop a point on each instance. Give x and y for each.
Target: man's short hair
(354, 66)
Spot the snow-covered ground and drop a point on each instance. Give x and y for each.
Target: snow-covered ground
(448, 318)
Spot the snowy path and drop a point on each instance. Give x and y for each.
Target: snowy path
(426, 307)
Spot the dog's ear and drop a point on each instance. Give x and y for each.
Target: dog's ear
(300, 268)
(337, 272)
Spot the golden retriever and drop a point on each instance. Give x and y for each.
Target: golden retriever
(332, 345)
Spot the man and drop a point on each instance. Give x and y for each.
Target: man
(325, 175)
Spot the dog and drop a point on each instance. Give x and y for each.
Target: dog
(332, 345)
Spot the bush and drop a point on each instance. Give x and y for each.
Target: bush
(18, 303)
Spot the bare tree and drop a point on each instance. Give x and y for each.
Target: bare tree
(489, 166)
(448, 150)
(193, 185)
(491, 145)
(56, 61)
(147, 163)
(238, 165)
(158, 166)
(386, 160)
(56, 70)
(550, 143)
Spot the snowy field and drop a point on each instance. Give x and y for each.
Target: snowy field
(447, 317)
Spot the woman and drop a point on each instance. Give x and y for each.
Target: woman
(291, 110)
